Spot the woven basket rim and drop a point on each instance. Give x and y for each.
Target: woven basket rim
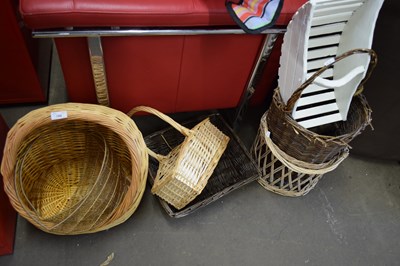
(75, 111)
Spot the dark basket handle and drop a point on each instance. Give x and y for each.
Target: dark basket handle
(297, 93)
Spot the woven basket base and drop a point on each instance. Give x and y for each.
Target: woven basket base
(278, 178)
(234, 170)
(53, 194)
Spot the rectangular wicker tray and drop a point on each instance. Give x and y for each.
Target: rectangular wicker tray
(235, 168)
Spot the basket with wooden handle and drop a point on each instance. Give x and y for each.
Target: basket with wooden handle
(183, 173)
(75, 168)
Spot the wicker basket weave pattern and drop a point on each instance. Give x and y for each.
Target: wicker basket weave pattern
(234, 170)
(185, 171)
(292, 158)
(83, 173)
(65, 194)
(100, 80)
(275, 176)
(309, 146)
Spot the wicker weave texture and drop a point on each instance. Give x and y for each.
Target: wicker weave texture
(82, 173)
(312, 147)
(320, 144)
(100, 80)
(234, 169)
(277, 177)
(185, 171)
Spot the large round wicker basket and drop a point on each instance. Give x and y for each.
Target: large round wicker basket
(75, 168)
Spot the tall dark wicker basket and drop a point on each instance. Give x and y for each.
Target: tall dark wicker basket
(293, 158)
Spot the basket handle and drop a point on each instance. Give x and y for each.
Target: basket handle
(185, 131)
(372, 63)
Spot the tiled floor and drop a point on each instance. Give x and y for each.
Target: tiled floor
(352, 217)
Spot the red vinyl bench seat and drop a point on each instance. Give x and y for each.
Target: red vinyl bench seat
(171, 73)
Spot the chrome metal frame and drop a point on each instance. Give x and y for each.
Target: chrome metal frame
(255, 77)
(94, 41)
(117, 31)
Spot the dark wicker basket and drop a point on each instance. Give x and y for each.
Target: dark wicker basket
(306, 145)
(320, 146)
(283, 174)
(235, 168)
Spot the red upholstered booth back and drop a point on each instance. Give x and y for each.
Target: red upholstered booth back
(19, 82)
(171, 73)
(8, 216)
